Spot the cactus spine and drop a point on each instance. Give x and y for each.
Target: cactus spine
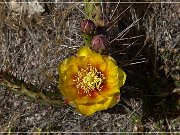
(20, 88)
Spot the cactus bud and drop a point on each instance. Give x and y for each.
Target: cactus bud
(99, 43)
(87, 26)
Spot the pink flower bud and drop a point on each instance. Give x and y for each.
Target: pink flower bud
(99, 42)
(87, 26)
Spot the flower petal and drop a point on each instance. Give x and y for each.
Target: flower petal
(69, 92)
(111, 72)
(122, 77)
(112, 75)
(89, 109)
(89, 98)
(110, 89)
(114, 100)
(62, 66)
(84, 51)
(93, 58)
(96, 60)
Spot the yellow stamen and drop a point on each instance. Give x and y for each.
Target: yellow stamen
(89, 79)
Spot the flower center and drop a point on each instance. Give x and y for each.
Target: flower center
(89, 79)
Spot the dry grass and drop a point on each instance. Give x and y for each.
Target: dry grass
(32, 45)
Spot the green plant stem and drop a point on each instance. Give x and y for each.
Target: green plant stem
(93, 10)
(20, 88)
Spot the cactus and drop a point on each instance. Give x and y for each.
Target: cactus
(94, 13)
(93, 10)
(21, 88)
(87, 29)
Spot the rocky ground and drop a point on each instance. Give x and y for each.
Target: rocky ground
(35, 37)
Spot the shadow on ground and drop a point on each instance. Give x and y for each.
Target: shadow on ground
(146, 80)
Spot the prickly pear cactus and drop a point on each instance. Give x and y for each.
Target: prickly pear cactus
(33, 42)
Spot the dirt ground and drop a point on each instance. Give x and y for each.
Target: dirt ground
(145, 42)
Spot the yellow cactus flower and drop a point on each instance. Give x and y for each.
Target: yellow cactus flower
(90, 82)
